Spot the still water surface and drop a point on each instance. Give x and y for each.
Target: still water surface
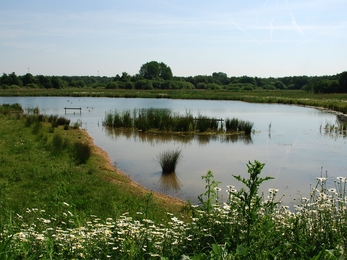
(294, 148)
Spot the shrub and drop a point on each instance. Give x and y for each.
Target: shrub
(81, 151)
(63, 121)
(57, 143)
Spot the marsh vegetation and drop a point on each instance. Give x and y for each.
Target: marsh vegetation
(164, 120)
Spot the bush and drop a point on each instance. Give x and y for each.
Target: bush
(81, 151)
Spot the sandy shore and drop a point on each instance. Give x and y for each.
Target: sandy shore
(111, 168)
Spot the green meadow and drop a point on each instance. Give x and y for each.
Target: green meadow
(331, 101)
(61, 198)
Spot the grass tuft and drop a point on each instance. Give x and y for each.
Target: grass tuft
(168, 160)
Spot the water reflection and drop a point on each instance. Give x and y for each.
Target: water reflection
(160, 138)
(169, 182)
(335, 130)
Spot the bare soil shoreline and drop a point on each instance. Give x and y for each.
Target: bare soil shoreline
(127, 181)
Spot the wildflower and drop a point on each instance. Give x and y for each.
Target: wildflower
(40, 237)
(66, 204)
(46, 221)
(217, 189)
(342, 179)
(332, 190)
(273, 190)
(226, 207)
(321, 179)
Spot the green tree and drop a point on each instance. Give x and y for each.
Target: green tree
(343, 82)
(155, 70)
(58, 83)
(44, 81)
(14, 80)
(5, 79)
(247, 79)
(279, 85)
(28, 79)
(221, 77)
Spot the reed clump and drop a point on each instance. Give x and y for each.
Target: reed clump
(168, 160)
(236, 125)
(164, 120)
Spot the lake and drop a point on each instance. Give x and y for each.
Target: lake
(290, 140)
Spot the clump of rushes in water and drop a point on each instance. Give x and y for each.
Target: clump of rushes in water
(168, 160)
(236, 125)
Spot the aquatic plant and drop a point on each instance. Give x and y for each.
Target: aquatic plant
(168, 160)
(236, 125)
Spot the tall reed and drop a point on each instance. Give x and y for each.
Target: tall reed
(168, 160)
(236, 125)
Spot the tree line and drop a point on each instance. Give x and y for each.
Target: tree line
(155, 75)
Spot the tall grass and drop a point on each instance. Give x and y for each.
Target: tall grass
(81, 151)
(8, 109)
(159, 119)
(168, 160)
(236, 125)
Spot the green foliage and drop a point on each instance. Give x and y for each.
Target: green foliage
(343, 82)
(155, 70)
(210, 196)
(250, 201)
(235, 125)
(10, 109)
(81, 151)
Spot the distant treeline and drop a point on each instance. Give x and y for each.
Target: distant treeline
(154, 75)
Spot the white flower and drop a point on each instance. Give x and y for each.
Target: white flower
(321, 179)
(342, 179)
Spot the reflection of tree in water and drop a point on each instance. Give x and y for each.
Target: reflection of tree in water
(169, 182)
(159, 138)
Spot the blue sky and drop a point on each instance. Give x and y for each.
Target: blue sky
(264, 38)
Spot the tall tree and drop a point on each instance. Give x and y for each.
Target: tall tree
(28, 79)
(155, 70)
(14, 79)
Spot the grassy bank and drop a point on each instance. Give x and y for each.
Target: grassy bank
(336, 102)
(44, 165)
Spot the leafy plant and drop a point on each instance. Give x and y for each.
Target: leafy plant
(210, 196)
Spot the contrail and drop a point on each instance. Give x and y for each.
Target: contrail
(242, 30)
(262, 9)
(296, 25)
(271, 27)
